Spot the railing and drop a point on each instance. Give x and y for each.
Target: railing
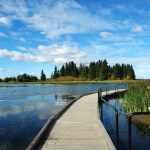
(110, 88)
(129, 125)
(101, 100)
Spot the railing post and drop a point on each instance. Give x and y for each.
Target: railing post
(98, 97)
(100, 104)
(117, 133)
(101, 114)
(129, 132)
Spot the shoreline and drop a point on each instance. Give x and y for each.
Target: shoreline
(72, 82)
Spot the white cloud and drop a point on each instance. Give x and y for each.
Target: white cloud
(60, 60)
(56, 18)
(5, 21)
(56, 53)
(22, 48)
(61, 53)
(115, 37)
(106, 35)
(18, 109)
(137, 28)
(18, 56)
(22, 39)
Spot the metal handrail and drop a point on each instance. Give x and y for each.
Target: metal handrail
(129, 125)
(116, 116)
(113, 87)
(129, 115)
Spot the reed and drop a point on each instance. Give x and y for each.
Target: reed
(137, 98)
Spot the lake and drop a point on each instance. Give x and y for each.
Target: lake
(25, 108)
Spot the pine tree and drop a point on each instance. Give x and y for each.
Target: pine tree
(103, 73)
(117, 71)
(56, 73)
(130, 72)
(75, 72)
(92, 71)
(62, 71)
(43, 76)
(83, 71)
(124, 71)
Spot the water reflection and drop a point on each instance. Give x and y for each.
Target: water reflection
(63, 99)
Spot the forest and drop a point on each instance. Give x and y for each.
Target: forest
(99, 71)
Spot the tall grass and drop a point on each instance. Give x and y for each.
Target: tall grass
(137, 98)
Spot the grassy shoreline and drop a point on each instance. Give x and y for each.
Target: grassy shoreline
(72, 82)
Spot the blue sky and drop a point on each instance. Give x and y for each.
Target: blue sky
(39, 34)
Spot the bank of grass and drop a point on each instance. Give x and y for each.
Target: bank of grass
(137, 98)
(142, 119)
(73, 80)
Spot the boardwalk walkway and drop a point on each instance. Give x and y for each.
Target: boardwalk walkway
(79, 128)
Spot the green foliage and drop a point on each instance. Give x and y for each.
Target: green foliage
(92, 71)
(62, 71)
(26, 78)
(83, 71)
(10, 79)
(137, 98)
(43, 76)
(103, 70)
(56, 73)
(99, 70)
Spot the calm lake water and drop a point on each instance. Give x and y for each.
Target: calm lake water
(140, 133)
(24, 109)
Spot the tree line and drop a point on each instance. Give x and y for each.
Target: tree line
(21, 78)
(99, 70)
(25, 78)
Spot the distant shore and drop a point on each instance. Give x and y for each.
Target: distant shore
(71, 82)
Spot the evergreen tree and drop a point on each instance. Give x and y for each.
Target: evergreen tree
(92, 71)
(43, 76)
(103, 73)
(98, 67)
(110, 72)
(62, 71)
(124, 71)
(130, 72)
(67, 70)
(56, 73)
(99, 70)
(75, 72)
(117, 71)
(83, 71)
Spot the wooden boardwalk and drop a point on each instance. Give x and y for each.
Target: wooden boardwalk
(79, 128)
